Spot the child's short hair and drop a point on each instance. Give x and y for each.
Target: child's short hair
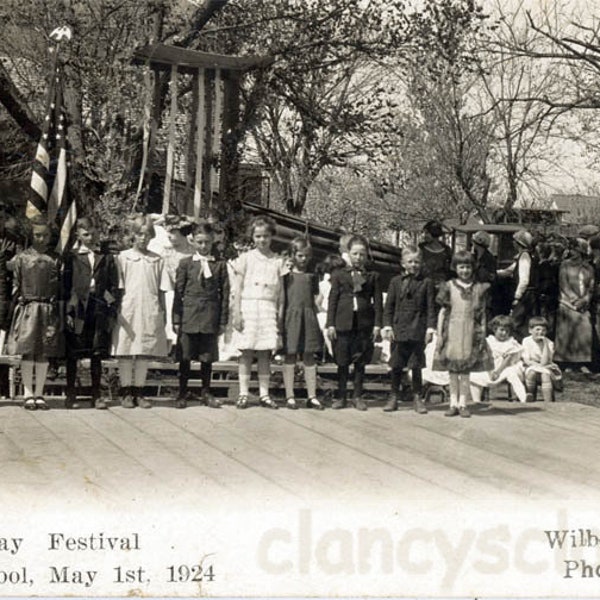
(344, 242)
(262, 221)
(141, 221)
(357, 240)
(462, 257)
(330, 263)
(502, 321)
(204, 228)
(298, 244)
(537, 322)
(411, 251)
(84, 223)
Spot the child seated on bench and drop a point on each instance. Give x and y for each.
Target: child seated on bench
(506, 353)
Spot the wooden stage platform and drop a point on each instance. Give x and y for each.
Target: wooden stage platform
(505, 450)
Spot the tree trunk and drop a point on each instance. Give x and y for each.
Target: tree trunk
(17, 107)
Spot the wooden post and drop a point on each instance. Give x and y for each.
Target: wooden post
(172, 140)
(208, 137)
(190, 162)
(216, 123)
(200, 141)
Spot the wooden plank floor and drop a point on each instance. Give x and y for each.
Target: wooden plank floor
(506, 450)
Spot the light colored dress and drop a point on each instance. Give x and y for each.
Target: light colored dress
(259, 293)
(574, 327)
(513, 372)
(171, 259)
(140, 329)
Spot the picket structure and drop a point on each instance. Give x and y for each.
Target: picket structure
(201, 122)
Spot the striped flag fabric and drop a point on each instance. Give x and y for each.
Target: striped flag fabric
(49, 178)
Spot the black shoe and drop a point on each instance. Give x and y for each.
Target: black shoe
(419, 406)
(71, 403)
(210, 400)
(100, 403)
(338, 404)
(181, 402)
(127, 399)
(359, 404)
(392, 403)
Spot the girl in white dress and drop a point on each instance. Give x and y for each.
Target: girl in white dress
(257, 309)
(140, 330)
(506, 353)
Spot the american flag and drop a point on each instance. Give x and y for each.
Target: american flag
(49, 179)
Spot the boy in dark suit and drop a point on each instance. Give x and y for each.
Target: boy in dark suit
(409, 319)
(91, 282)
(200, 312)
(353, 319)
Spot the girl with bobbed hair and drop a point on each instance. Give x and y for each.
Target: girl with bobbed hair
(140, 331)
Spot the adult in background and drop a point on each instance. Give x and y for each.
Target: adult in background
(524, 271)
(573, 342)
(436, 255)
(486, 264)
(548, 266)
(587, 232)
(595, 303)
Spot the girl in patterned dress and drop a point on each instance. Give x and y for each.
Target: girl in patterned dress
(301, 331)
(256, 311)
(36, 330)
(462, 347)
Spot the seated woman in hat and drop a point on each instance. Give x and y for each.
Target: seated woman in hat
(524, 271)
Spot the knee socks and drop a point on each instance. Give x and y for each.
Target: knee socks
(185, 368)
(310, 377)
(288, 379)
(41, 370)
(343, 372)
(264, 373)
(547, 389)
(205, 375)
(417, 381)
(359, 377)
(245, 365)
(27, 377)
(396, 380)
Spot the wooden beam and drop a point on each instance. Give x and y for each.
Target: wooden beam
(163, 57)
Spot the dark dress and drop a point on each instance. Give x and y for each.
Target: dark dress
(484, 270)
(200, 307)
(354, 328)
(410, 311)
(35, 330)
(548, 293)
(462, 347)
(91, 311)
(436, 265)
(301, 332)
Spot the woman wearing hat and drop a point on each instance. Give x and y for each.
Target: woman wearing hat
(573, 321)
(436, 255)
(524, 273)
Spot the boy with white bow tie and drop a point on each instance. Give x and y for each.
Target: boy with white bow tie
(200, 312)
